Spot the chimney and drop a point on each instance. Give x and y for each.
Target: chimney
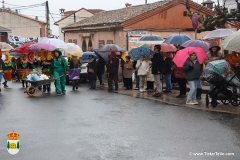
(208, 4)
(61, 10)
(36, 18)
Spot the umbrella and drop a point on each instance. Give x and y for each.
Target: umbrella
(196, 43)
(177, 39)
(40, 46)
(150, 39)
(182, 55)
(218, 34)
(86, 55)
(55, 42)
(111, 47)
(74, 49)
(168, 48)
(232, 43)
(124, 54)
(5, 47)
(135, 53)
(103, 55)
(23, 48)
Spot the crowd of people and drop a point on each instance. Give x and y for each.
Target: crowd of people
(145, 71)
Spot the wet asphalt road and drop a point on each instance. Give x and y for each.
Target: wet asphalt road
(97, 125)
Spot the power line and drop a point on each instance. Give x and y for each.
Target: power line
(52, 16)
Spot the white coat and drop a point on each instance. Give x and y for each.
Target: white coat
(143, 68)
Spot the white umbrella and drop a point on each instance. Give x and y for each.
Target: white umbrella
(5, 46)
(232, 43)
(74, 49)
(219, 34)
(55, 42)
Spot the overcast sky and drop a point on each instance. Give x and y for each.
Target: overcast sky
(55, 5)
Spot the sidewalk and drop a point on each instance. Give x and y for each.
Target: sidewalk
(172, 100)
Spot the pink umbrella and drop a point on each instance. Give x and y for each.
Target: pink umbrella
(40, 46)
(168, 48)
(182, 55)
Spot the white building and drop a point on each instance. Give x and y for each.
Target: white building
(71, 17)
(22, 25)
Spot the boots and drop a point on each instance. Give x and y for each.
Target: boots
(199, 93)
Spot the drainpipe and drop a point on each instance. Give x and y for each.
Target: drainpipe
(127, 41)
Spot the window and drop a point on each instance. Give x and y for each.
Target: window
(69, 40)
(74, 41)
(109, 41)
(101, 43)
(185, 13)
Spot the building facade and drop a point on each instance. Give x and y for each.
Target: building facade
(161, 18)
(71, 17)
(22, 25)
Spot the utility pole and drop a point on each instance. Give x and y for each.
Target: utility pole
(47, 19)
(3, 5)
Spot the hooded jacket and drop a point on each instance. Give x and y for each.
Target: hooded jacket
(64, 63)
(211, 56)
(195, 73)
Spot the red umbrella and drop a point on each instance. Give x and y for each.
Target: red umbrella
(182, 55)
(23, 48)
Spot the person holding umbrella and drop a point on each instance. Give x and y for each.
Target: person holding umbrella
(100, 70)
(193, 70)
(112, 71)
(127, 72)
(213, 54)
(157, 68)
(92, 77)
(58, 69)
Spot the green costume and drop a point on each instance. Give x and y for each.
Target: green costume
(58, 69)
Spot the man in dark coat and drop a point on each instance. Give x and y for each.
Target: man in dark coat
(112, 70)
(157, 68)
(100, 70)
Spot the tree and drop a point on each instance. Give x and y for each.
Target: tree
(220, 18)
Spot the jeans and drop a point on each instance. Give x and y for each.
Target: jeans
(158, 82)
(1, 74)
(168, 82)
(92, 84)
(102, 79)
(234, 88)
(137, 79)
(199, 84)
(193, 90)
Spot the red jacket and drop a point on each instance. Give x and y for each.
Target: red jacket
(178, 72)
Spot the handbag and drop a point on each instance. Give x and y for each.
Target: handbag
(90, 70)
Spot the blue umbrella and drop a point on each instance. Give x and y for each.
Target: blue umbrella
(150, 39)
(86, 55)
(177, 39)
(135, 53)
(103, 55)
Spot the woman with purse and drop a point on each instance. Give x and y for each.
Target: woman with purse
(127, 73)
(92, 76)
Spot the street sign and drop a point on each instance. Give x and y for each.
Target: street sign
(195, 21)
